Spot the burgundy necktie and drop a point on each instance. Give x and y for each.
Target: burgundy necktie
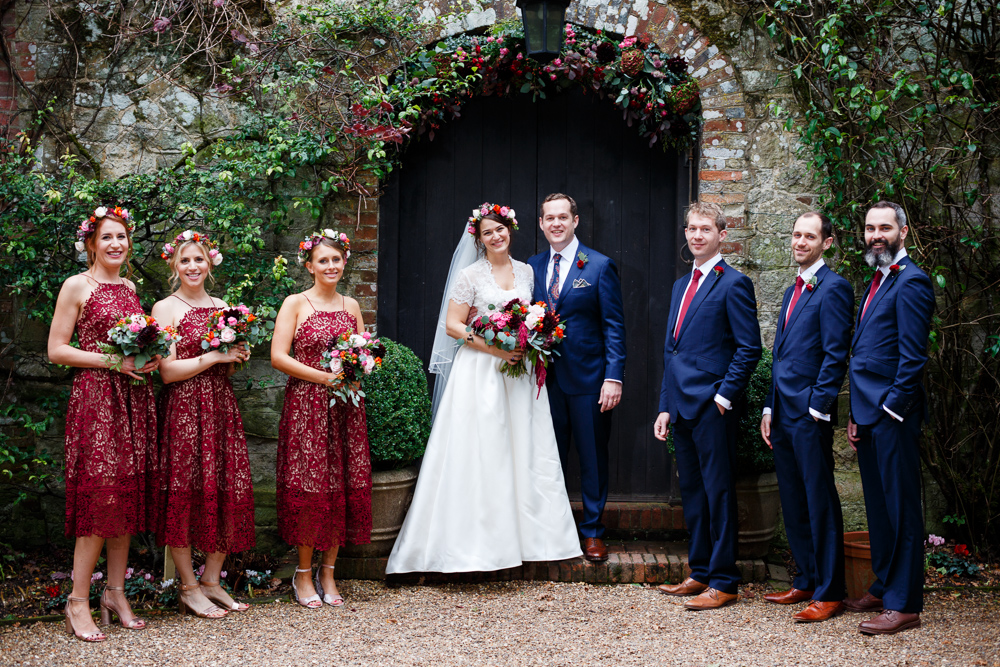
(795, 299)
(554, 283)
(688, 296)
(871, 292)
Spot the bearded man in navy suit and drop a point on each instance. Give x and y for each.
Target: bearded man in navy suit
(712, 349)
(888, 354)
(585, 382)
(807, 371)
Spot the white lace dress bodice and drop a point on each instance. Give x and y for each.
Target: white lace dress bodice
(477, 287)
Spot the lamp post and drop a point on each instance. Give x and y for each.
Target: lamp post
(543, 27)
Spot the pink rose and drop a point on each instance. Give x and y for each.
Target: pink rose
(336, 366)
(215, 342)
(504, 211)
(367, 336)
(308, 245)
(135, 327)
(228, 336)
(232, 320)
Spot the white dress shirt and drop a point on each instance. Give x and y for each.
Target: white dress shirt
(566, 258)
(806, 276)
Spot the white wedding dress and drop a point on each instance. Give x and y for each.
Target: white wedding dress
(490, 493)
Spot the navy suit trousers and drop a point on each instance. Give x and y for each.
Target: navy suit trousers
(578, 417)
(803, 459)
(705, 448)
(889, 459)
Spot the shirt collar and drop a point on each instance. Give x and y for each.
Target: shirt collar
(895, 260)
(707, 266)
(812, 270)
(567, 253)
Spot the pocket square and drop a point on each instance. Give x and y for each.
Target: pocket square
(580, 282)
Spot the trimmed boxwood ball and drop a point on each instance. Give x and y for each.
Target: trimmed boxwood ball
(753, 456)
(398, 408)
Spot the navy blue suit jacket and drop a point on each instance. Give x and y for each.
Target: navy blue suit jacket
(717, 348)
(889, 349)
(594, 348)
(810, 351)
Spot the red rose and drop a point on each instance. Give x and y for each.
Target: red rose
(719, 270)
(809, 287)
(894, 269)
(961, 550)
(579, 263)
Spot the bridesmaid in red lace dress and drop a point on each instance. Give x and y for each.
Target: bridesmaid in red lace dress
(205, 495)
(110, 423)
(324, 471)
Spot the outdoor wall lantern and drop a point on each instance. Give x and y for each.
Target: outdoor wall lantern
(543, 27)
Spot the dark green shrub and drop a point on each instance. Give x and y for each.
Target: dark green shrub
(398, 408)
(753, 456)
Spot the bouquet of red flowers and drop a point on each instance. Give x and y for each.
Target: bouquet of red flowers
(535, 328)
(232, 325)
(138, 336)
(351, 356)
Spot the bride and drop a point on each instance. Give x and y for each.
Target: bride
(490, 494)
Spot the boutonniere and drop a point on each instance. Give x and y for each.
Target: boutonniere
(811, 284)
(581, 259)
(895, 269)
(719, 270)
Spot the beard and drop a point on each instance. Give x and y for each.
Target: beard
(882, 257)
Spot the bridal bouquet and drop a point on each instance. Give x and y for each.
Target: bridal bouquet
(535, 328)
(138, 336)
(351, 356)
(229, 326)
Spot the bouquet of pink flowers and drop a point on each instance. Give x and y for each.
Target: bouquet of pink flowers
(352, 356)
(535, 328)
(230, 326)
(138, 336)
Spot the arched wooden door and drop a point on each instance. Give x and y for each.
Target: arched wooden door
(516, 151)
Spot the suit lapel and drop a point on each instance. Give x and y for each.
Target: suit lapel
(804, 300)
(675, 306)
(573, 273)
(711, 280)
(779, 336)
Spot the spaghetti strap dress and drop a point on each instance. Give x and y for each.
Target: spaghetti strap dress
(205, 497)
(110, 450)
(324, 481)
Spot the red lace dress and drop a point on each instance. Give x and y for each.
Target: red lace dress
(110, 432)
(324, 480)
(205, 496)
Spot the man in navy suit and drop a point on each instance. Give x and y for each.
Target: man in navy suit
(808, 368)
(712, 348)
(888, 354)
(585, 381)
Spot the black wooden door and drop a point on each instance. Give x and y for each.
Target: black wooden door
(516, 151)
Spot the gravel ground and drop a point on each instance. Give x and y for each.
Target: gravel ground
(523, 623)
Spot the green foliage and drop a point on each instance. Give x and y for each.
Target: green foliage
(753, 456)
(398, 408)
(22, 469)
(951, 565)
(899, 101)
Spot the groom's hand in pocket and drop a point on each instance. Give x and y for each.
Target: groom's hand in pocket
(661, 427)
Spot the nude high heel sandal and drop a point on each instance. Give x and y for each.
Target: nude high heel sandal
(185, 608)
(311, 602)
(91, 637)
(135, 624)
(332, 600)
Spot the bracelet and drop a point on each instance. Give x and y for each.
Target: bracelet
(471, 338)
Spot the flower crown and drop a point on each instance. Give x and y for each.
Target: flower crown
(479, 213)
(188, 235)
(316, 238)
(88, 226)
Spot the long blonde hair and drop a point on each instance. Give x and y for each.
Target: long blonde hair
(175, 258)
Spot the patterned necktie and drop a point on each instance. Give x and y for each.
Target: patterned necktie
(554, 283)
(795, 299)
(871, 292)
(688, 296)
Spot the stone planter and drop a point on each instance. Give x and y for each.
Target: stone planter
(392, 492)
(858, 571)
(757, 506)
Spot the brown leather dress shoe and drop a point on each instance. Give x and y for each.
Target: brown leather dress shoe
(594, 549)
(791, 596)
(866, 602)
(711, 599)
(819, 611)
(687, 587)
(889, 622)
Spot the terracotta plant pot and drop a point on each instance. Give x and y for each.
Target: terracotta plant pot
(858, 563)
(392, 492)
(757, 506)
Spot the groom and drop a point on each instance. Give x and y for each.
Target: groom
(585, 382)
